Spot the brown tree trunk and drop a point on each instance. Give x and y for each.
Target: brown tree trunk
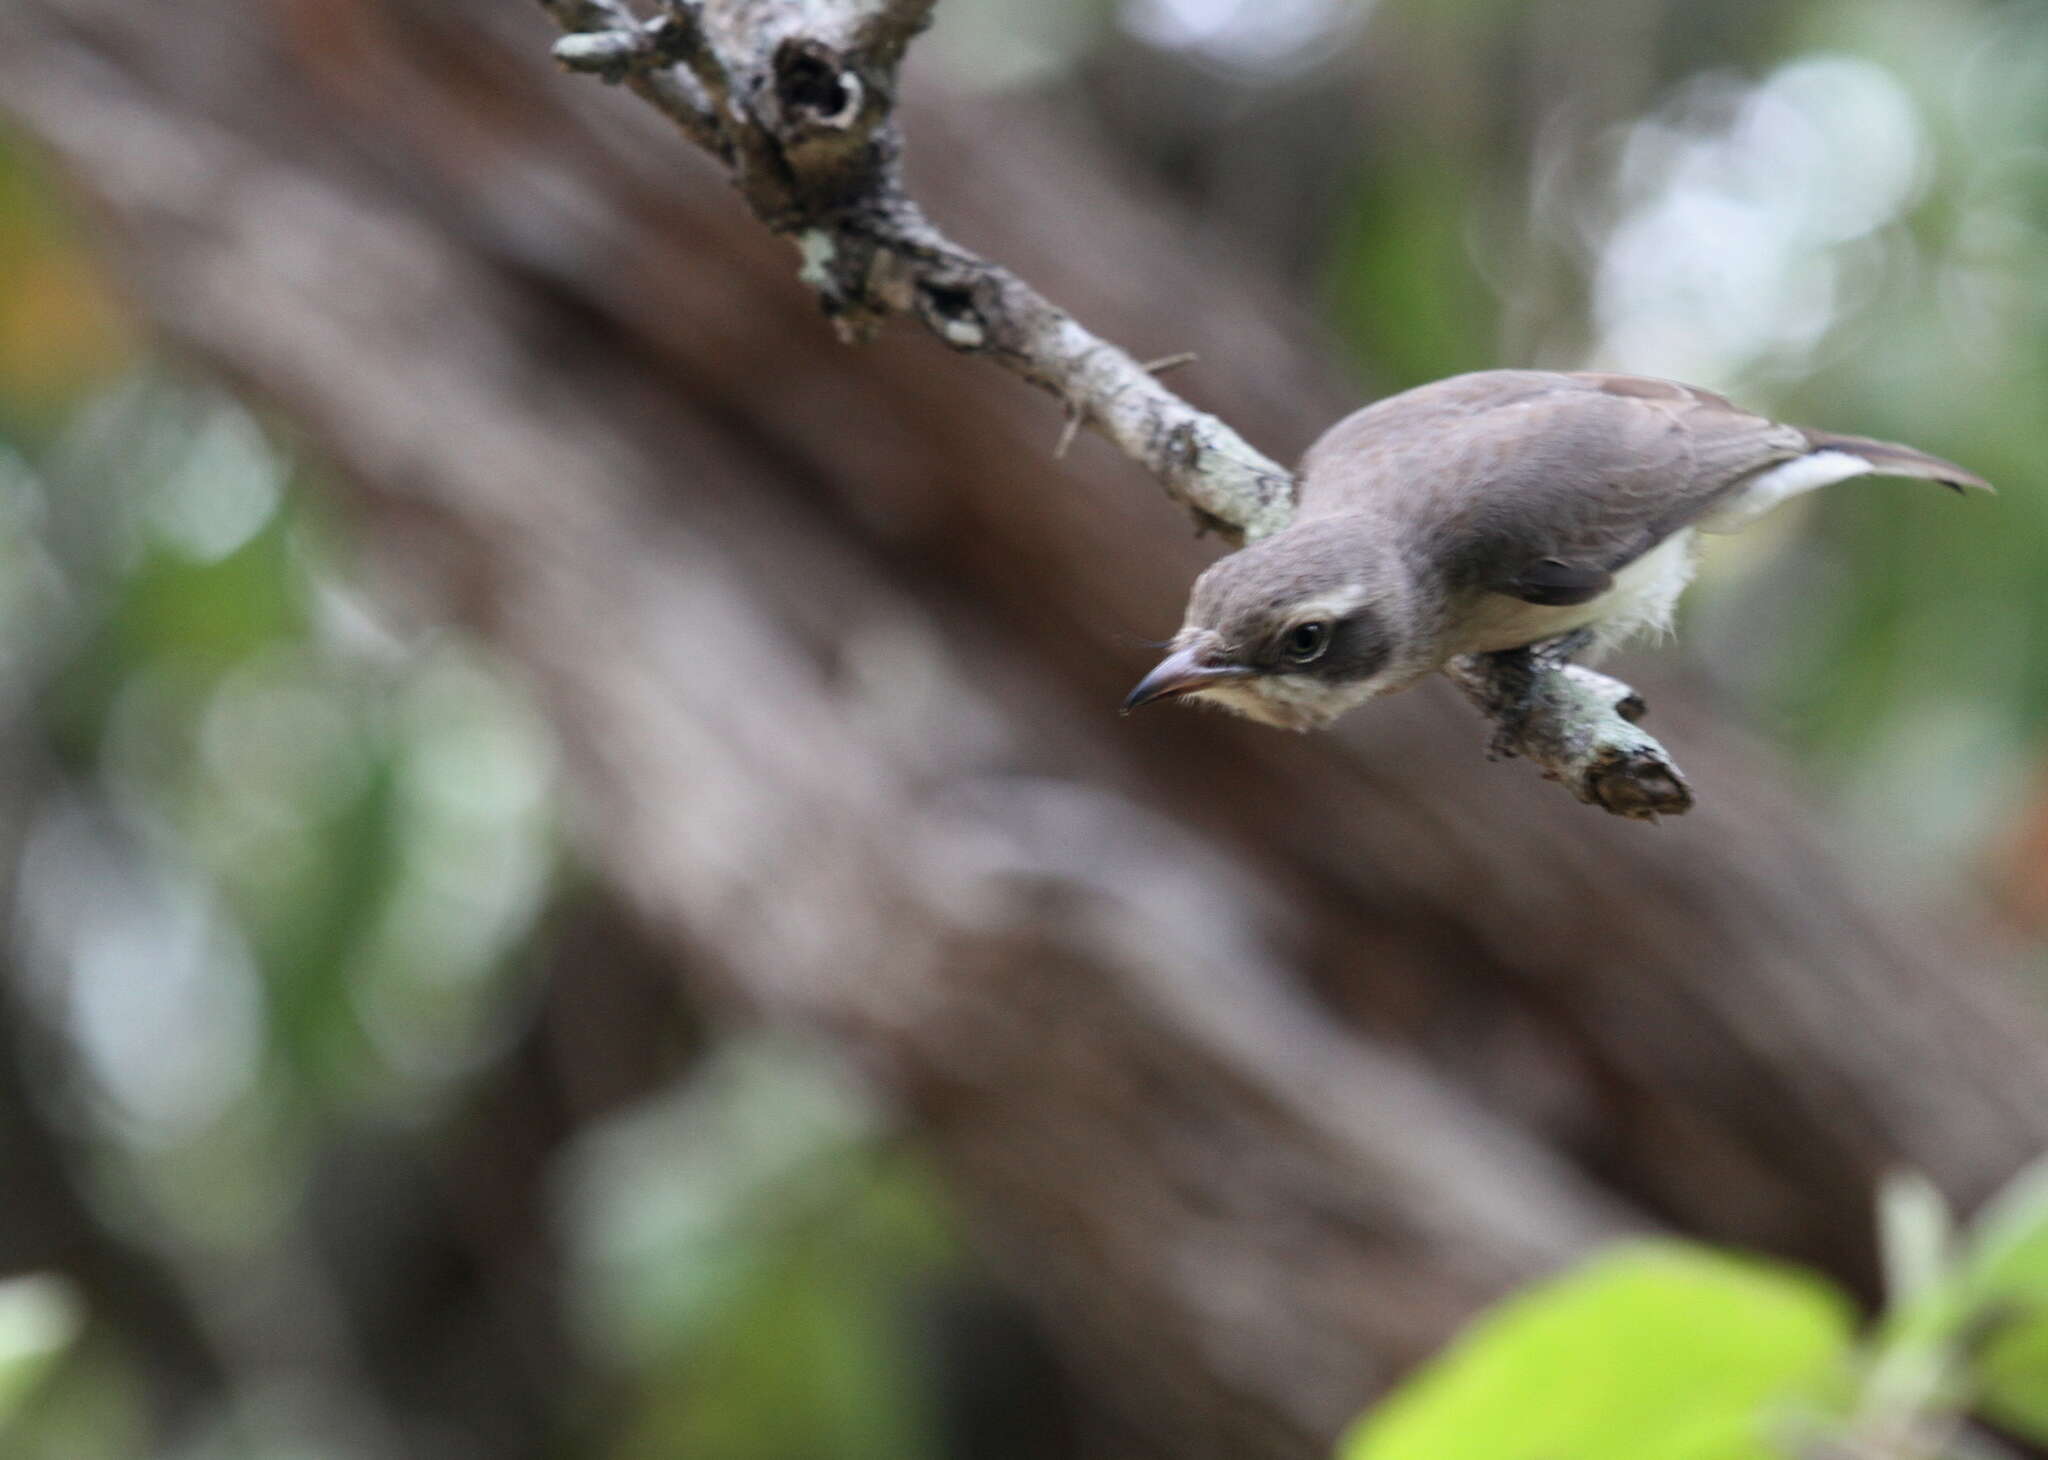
(1259, 1060)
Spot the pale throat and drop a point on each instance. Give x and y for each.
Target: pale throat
(1290, 701)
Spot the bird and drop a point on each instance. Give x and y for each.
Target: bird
(1557, 511)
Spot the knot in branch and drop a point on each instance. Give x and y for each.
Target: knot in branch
(952, 311)
(814, 90)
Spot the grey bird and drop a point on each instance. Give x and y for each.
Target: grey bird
(1487, 512)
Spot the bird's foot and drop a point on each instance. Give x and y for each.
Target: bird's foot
(1517, 677)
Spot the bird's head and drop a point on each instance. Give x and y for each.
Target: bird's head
(1295, 629)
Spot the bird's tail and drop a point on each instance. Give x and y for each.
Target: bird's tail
(1888, 458)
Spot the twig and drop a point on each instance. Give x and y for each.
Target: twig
(810, 135)
(1069, 429)
(605, 37)
(797, 97)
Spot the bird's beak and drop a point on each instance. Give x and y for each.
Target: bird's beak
(1182, 672)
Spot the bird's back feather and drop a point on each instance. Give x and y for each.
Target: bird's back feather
(1521, 479)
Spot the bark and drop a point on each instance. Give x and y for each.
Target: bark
(1259, 1060)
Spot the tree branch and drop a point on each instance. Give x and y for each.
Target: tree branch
(1579, 726)
(798, 100)
(809, 133)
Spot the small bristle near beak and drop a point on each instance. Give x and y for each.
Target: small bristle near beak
(1182, 672)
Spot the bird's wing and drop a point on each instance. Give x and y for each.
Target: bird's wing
(1543, 485)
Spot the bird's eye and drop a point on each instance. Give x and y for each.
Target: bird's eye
(1306, 640)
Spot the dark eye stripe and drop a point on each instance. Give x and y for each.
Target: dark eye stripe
(1353, 647)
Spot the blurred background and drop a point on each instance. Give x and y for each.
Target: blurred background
(571, 885)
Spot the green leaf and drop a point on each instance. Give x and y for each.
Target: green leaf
(1652, 1351)
(2009, 1241)
(2012, 1375)
(2007, 1279)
